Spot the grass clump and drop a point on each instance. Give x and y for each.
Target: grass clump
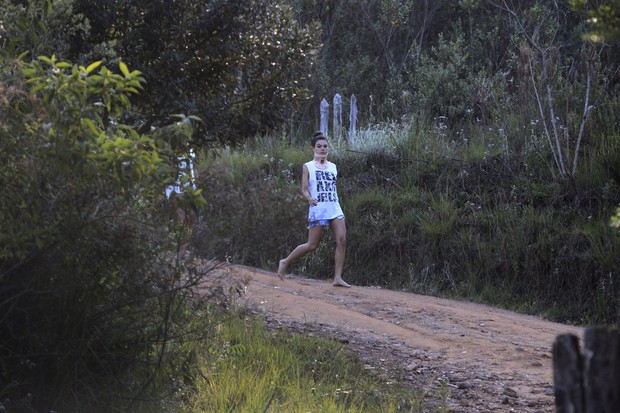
(248, 368)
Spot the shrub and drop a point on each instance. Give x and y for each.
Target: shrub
(255, 212)
(89, 295)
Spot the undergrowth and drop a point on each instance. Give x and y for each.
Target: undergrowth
(248, 368)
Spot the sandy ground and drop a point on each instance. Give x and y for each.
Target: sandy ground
(487, 359)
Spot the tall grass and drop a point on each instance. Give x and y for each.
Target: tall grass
(251, 369)
(253, 204)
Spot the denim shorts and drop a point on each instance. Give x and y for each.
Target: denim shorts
(323, 222)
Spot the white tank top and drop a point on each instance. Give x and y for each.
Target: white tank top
(322, 187)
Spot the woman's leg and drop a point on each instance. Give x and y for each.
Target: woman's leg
(314, 237)
(339, 229)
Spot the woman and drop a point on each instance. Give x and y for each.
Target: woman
(318, 186)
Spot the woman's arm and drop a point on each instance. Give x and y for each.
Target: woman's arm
(305, 186)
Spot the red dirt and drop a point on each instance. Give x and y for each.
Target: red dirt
(489, 359)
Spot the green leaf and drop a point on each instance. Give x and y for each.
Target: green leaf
(93, 66)
(89, 123)
(46, 60)
(29, 72)
(38, 87)
(124, 69)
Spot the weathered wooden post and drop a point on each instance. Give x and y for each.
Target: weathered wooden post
(353, 118)
(602, 370)
(324, 117)
(337, 116)
(567, 374)
(588, 383)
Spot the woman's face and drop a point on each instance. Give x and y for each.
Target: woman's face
(320, 148)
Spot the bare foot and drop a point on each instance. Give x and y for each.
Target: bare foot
(281, 269)
(339, 282)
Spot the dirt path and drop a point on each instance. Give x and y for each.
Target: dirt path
(489, 360)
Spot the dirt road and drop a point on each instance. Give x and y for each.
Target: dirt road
(488, 359)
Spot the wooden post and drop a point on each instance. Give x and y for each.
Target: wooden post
(588, 383)
(353, 119)
(325, 117)
(602, 370)
(567, 375)
(337, 129)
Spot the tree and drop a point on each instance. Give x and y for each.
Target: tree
(538, 36)
(369, 47)
(242, 67)
(603, 18)
(40, 27)
(88, 292)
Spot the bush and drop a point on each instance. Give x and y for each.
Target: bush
(89, 295)
(255, 211)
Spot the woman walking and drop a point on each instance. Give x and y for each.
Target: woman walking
(318, 186)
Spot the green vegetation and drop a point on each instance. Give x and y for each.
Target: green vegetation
(450, 219)
(603, 19)
(111, 309)
(247, 368)
(89, 287)
(486, 167)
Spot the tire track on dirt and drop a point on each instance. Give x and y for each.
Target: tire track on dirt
(490, 359)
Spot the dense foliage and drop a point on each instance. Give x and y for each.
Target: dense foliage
(241, 66)
(87, 290)
(462, 62)
(508, 166)
(603, 19)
